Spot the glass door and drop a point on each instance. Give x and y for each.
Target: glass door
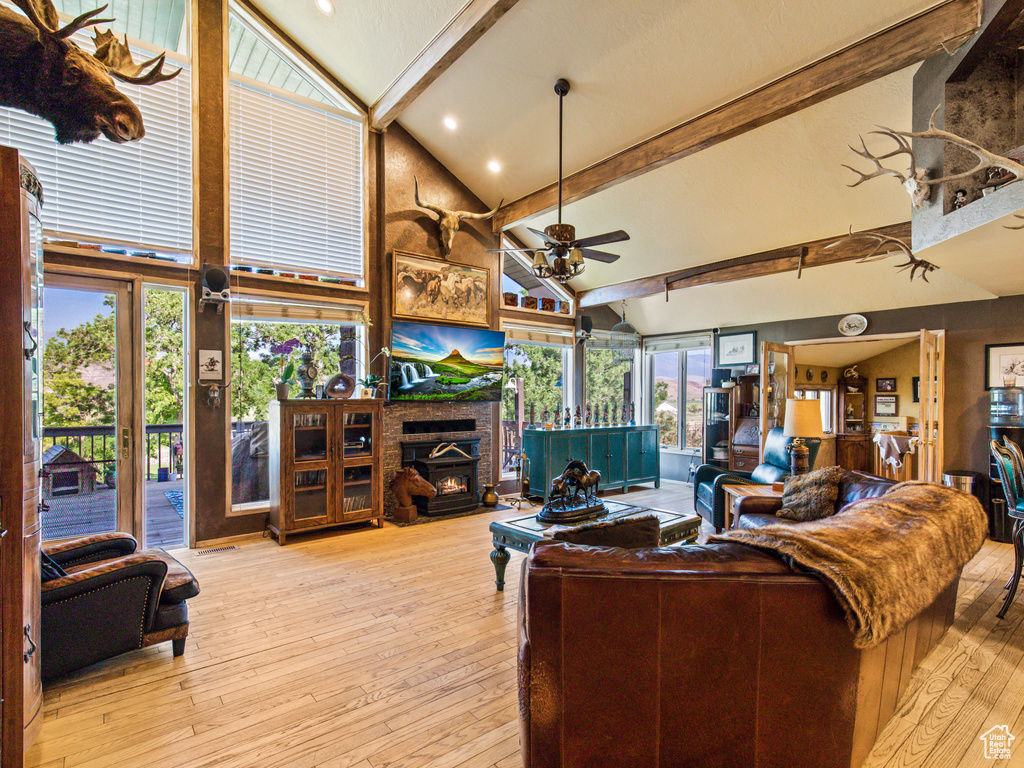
(88, 445)
(312, 484)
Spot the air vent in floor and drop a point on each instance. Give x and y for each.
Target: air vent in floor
(215, 551)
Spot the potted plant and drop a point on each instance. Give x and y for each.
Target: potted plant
(286, 366)
(510, 298)
(370, 381)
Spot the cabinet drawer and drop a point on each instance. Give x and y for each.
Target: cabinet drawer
(744, 463)
(746, 451)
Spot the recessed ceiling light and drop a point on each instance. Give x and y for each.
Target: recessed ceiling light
(325, 6)
(450, 124)
(494, 166)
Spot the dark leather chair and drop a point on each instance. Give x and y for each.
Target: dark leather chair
(110, 600)
(708, 496)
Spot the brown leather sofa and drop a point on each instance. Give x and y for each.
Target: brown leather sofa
(753, 512)
(709, 656)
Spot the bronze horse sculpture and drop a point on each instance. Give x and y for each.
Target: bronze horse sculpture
(578, 478)
(44, 73)
(407, 483)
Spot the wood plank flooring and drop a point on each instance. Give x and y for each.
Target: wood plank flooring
(391, 647)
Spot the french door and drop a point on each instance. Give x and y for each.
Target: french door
(929, 464)
(114, 377)
(778, 374)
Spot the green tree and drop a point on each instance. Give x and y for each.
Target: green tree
(604, 378)
(540, 369)
(79, 368)
(165, 356)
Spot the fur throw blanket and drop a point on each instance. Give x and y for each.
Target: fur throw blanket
(885, 559)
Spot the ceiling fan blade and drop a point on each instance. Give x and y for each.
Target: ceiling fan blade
(544, 236)
(607, 258)
(608, 237)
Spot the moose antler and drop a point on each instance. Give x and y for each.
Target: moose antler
(449, 221)
(117, 58)
(916, 181)
(912, 263)
(43, 14)
(1016, 216)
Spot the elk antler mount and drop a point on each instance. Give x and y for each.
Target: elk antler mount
(913, 263)
(449, 221)
(916, 180)
(44, 73)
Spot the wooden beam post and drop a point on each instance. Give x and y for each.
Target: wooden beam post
(812, 254)
(943, 27)
(444, 50)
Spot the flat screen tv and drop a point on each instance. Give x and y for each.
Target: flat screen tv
(440, 362)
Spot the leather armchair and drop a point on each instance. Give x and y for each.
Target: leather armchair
(111, 600)
(708, 496)
(711, 656)
(755, 511)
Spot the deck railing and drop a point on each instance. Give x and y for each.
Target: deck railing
(98, 445)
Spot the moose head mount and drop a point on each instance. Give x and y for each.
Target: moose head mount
(449, 221)
(916, 180)
(46, 74)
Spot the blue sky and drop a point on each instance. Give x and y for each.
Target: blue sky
(69, 308)
(434, 342)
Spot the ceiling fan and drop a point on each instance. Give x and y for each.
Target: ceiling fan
(559, 239)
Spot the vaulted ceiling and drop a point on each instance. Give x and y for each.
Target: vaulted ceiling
(636, 70)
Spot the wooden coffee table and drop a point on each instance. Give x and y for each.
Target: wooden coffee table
(520, 532)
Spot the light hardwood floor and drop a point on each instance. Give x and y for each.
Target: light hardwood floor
(392, 648)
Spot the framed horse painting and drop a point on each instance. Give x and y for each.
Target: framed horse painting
(431, 289)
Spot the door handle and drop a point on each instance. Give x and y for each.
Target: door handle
(126, 443)
(32, 647)
(30, 351)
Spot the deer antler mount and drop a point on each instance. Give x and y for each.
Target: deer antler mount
(916, 179)
(448, 221)
(913, 263)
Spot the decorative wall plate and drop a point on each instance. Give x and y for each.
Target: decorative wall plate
(341, 385)
(853, 325)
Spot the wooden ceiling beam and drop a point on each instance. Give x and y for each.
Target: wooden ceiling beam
(944, 27)
(789, 259)
(444, 50)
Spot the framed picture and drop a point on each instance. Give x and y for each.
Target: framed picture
(737, 349)
(211, 365)
(885, 405)
(752, 369)
(425, 288)
(1004, 365)
(366, 393)
(885, 385)
(915, 384)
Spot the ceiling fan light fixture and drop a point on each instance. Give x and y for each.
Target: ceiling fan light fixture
(541, 268)
(576, 262)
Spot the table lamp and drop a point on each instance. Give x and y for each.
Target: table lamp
(803, 420)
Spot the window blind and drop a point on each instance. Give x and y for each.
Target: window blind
(296, 185)
(539, 335)
(136, 195)
(265, 308)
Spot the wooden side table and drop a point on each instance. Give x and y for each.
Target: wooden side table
(734, 493)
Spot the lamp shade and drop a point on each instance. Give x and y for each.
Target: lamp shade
(803, 418)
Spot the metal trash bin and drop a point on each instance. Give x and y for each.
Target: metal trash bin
(1000, 524)
(1000, 528)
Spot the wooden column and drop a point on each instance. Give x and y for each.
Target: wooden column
(210, 444)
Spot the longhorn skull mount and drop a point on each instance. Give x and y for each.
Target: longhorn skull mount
(449, 221)
(913, 263)
(916, 180)
(45, 74)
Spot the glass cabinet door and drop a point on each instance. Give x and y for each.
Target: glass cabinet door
(311, 436)
(310, 489)
(357, 435)
(357, 496)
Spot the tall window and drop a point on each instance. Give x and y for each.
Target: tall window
(607, 379)
(296, 164)
(258, 329)
(136, 197)
(680, 369)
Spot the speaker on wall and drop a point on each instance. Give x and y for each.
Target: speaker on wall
(587, 323)
(215, 283)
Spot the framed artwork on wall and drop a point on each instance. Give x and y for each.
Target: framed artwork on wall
(885, 385)
(1004, 365)
(735, 349)
(424, 288)
(886, 405)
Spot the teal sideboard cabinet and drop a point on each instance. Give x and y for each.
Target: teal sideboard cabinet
(623, 455)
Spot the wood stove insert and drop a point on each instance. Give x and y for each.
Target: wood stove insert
(452, 470)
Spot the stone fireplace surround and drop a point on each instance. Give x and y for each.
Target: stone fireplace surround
(397, 414)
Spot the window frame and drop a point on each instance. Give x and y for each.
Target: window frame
(680, 346)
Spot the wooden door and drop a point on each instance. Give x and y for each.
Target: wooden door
(778, 374)
(930, 461)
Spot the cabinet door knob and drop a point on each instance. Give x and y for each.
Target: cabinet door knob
(32, 647)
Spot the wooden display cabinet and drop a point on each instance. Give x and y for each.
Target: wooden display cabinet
(719, 425)
(21, 431)
(326, 464)
(853, 443)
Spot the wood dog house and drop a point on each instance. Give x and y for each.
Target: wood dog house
(65, 473)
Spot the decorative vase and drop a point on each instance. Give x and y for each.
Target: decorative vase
(490, 498)
(511, 299)
(282, 387)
